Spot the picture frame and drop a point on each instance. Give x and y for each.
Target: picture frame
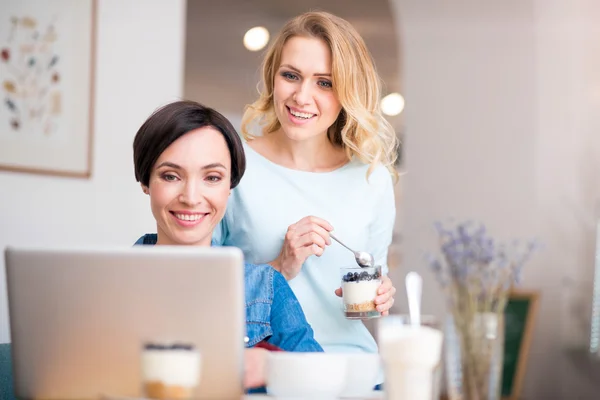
(47, 82)
(519, 323)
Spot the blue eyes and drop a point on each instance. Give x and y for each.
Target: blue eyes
(289, 75)
(173, 178)
(325, 84)
(169, 177)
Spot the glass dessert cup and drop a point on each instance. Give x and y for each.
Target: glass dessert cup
(359, 290)
(170, 371)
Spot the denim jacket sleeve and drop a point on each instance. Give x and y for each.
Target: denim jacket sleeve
(291, 331)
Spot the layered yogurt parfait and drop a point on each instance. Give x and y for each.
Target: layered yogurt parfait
(170, 371)
(359, 290)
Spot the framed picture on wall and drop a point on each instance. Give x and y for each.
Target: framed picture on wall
(519, 322)
(47, 86)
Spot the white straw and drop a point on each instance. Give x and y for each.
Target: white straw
(414, 288)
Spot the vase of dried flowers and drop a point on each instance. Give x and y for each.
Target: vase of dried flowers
(476, 275)
(474, 356)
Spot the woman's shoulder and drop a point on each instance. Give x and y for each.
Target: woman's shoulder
(255, 162)
(381, 175)
(147, 239)
(251, 149)
(375, 175)
(263, 278)
(258, 269)
(255, 155)
(259, 280)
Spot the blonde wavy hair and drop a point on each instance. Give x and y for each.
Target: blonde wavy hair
(360, 128)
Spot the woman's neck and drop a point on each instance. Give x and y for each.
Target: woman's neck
(313, 155)
(164, 240)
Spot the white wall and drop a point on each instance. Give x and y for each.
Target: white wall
(139, 66)
(502, 114)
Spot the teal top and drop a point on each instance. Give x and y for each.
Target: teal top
(6, 377)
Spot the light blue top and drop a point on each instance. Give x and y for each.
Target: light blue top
(271, 197)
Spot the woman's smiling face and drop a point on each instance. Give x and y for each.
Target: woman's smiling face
(189, 187)
(304, 100)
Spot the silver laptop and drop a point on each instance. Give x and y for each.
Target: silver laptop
(79, 317)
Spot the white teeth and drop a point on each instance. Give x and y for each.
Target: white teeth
(189, 217)
(301, 114)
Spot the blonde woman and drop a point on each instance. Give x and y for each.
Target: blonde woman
(319, 157)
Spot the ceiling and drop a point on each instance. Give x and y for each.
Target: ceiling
(221, 73)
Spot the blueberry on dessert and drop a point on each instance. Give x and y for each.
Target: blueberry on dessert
(359, 288)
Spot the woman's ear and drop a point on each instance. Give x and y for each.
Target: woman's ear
(145, 188)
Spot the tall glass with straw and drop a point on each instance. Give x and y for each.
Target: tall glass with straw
(410, 351)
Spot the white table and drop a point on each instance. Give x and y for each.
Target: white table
(376, 395)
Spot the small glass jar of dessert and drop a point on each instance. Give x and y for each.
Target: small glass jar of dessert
(170, 371)
(359, 290)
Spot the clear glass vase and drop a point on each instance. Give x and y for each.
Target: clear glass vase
(474, 355)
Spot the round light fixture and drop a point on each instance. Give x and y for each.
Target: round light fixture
(256, 38)
(392, 104)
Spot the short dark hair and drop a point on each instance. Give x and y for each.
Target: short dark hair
(172, 121)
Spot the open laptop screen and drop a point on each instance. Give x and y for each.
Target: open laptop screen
(80, 317)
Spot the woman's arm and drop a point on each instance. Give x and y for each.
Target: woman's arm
(291, 331)
(381, 231)
(381, 228)
(255, 361)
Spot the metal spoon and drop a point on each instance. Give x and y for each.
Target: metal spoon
(363, 258)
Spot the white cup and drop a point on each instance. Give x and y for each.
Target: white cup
(411, 356)
(170, 371)
(306, 375)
